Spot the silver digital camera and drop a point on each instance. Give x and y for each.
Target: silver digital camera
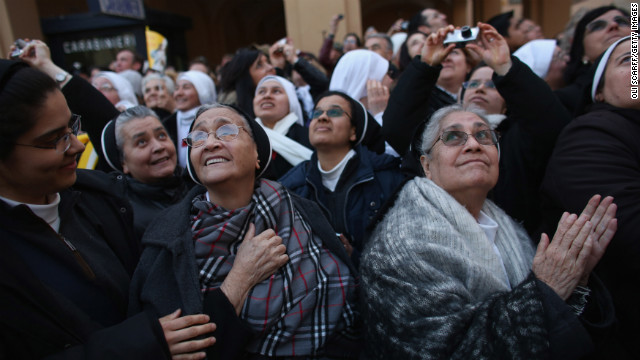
(462, 36)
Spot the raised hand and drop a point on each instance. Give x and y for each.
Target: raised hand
(491, 47)
(434, 51)
(377, 96)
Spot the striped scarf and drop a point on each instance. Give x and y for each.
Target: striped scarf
(306, 301)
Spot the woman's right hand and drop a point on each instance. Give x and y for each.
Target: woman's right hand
(258, 258)
(576, 248)
(179, 332)
(433, 51)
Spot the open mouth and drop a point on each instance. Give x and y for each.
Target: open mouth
(161, 160)
(214, 161)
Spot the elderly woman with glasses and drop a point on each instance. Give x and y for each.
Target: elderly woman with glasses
(599, 152)
(68, 247)
(263, 262)
(518, 104)
(349, 182)
(447, 274)
(157, 90)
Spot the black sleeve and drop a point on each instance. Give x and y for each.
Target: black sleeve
(532, 103)
(96, 111)
(139, 337)
(408, 104)
(318, 81)
(232, 334)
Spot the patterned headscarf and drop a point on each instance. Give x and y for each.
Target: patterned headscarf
(306, 301)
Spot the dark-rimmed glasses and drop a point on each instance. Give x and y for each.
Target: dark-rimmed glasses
(332, 113)
(459, 138)
(226, 132)
(598, 25)
(62, 143)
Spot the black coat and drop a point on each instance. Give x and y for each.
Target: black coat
(67, 293)
(535, 118)
(279, 165)
(599, 153)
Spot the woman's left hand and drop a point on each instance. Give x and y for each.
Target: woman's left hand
(377, 96)
(492, 48)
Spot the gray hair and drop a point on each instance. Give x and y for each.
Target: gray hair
(168, 82)
(136, 112)
(242, 115)
(432, 131)
(383, 36)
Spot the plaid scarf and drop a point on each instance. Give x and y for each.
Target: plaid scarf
(306, 301)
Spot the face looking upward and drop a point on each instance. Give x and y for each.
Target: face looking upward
(415, 43)
(603, 31)
(148, 152)
(271, 103)
(260, 68)
(332, 132)
(487, 98)
(31, 174)
(221, 163)
(471, 168)
(617, 85)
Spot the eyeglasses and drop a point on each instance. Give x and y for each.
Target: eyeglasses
(459, 138)
(474, 84)
(105, 87)
(226, 132)
(62, 143)
(598, 25)
(332, 113)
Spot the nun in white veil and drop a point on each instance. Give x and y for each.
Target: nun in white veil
(279, 112)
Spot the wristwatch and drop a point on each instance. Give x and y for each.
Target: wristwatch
(61, 77)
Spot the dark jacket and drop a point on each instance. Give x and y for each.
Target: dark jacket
(67, 293)
(534, 120)
(599, 153)
(96, 111)
(167, 276)
(148, 200)
(367, 182)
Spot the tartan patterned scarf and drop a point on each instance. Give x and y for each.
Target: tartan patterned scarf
(306, 301)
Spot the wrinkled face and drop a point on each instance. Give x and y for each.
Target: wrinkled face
(148, 152)
(332, 132)
(379, 46)
(124, 61)
(415, 43)
(350, 43)
(30, 174)
(454, 66)
(271, 102)
(468, 168)
(156, 94)
(435, 19)
(617, 85)
(603, 31)
(220, 162)
(484, 97)
(107, 89)
(261, 68)
(186, 95)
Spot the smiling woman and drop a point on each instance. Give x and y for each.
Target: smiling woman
(68, 241)
(241, 238)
